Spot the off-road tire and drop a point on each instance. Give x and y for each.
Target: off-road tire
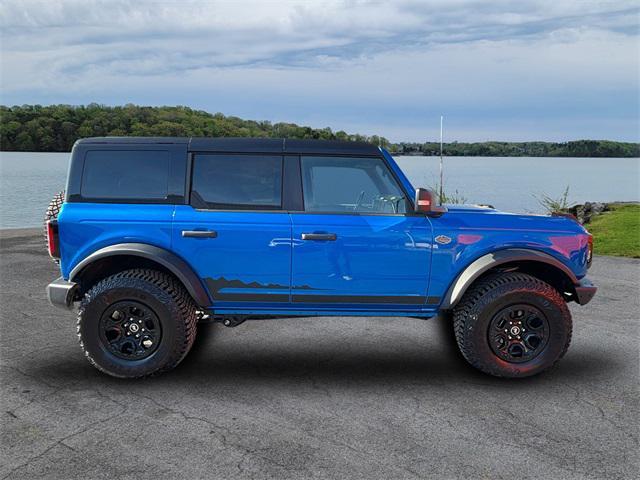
(51, 214)
(472, 317)
(164, 295)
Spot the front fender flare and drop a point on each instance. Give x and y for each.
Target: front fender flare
(176, 265)
(491, 260)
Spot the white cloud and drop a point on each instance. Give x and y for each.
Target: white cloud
(330, 62)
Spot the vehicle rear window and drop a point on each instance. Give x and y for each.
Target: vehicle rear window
(121, 174)
(237, 182)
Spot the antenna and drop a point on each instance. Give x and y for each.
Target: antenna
(441, 166)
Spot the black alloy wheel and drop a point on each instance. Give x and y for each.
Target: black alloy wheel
(518, 333)
(130, 330)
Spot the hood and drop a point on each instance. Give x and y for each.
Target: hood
(471, 231)
(470, 208)
(487, 216)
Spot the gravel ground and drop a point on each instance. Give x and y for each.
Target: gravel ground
(315, 398)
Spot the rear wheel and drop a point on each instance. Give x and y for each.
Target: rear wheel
(136, 323)
(512, 325)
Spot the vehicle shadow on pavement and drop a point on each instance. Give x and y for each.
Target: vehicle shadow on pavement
(287, 364)
(359, 364)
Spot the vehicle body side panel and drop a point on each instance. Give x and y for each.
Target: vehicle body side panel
(87, 227)
(377, 260)
(247, 264)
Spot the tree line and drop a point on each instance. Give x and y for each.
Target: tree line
(577, 148)
(54, 128)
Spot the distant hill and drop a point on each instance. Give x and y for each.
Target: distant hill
(577, 148)
(54, 128)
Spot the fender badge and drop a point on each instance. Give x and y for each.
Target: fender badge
(443, 239)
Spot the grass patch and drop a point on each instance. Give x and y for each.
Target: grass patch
(617, 232)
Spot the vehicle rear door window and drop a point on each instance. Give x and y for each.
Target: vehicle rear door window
(350, 185)
(121, 174)
(237, 182)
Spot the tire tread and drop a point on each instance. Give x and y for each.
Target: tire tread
(465, 313)
(169, 285)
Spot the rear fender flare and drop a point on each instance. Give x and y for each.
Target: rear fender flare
(176, 265)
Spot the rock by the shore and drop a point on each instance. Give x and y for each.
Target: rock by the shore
(584, 213)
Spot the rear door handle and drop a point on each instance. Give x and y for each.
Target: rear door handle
(319, 236)
(199, 233)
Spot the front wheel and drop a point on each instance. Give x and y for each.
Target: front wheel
(512, 325)
(136, 323)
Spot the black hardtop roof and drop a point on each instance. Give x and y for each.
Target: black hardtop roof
(245, 145)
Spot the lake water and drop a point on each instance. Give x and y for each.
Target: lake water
(29, 180)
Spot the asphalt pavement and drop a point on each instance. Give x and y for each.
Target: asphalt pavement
(339, 398)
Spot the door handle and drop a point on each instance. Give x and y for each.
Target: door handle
(319, 236)
(199, 233)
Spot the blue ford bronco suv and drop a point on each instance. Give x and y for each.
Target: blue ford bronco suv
(154, 234)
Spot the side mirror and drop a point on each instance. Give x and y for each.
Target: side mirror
(427, 202)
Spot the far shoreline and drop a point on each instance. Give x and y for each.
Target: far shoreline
(397, 154)
(68, 123)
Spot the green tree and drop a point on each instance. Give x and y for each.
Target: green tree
(57, 127)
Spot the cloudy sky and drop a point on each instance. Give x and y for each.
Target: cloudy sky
(498, 70)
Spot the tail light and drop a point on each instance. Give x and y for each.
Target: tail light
(589, 250)
(53, 243)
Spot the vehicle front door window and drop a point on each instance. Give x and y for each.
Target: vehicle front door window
(350, 185)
